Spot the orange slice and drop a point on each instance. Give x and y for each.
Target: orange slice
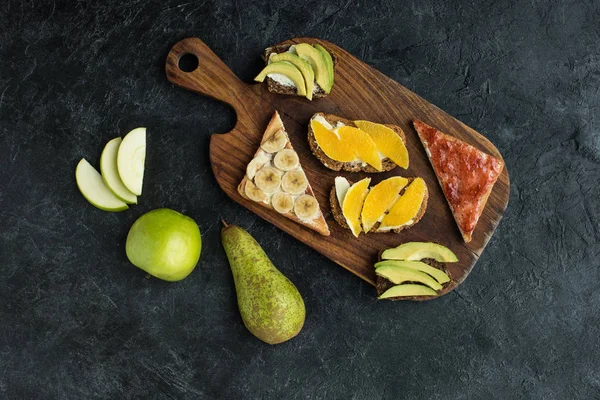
(361, 143)
(388, 142)
(380, 198)
(407, 207)
(353, 204)
(330, 143)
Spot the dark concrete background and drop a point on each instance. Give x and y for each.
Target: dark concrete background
(77, 321)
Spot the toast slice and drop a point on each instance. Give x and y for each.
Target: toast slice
(466, 175)
(338, 215)
(276, 180)
(278, 88)
(334, 120)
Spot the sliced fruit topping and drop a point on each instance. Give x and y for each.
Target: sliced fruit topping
(255, 193)
(275, 142)
(419, 251)
(381, 197)
(329, 62)
(92, 187)
(306, 207)
(259, 161)
(400, 275)
(408, 290)
(341, 188)
(389, 265)
(268, 179)
(286, 160)
(110, 172)
(407, 207)
(282, 202)
(304, 67)
(388, 142)
(361, 144)
(353, 203)
(318, 63)
(330, 143)
(294, 182)
(131, 158)
(287, 69)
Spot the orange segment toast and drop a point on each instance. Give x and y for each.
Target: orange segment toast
(276, 180)
(342, 144)
(393, 205)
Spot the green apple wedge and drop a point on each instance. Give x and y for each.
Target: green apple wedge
(92, 187)
(110, 172)
(131, 158)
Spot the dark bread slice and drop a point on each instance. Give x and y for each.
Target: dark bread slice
(276, 87)
(338, 215)
(382, 284)
(386, 163)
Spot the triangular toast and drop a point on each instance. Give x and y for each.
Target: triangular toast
(276, 180)
(466, 175)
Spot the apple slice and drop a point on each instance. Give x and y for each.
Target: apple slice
(92, 187)
(130, 160)
(110, 172)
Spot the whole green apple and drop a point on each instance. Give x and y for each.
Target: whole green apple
(165, 244)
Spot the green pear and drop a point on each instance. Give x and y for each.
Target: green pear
(271, 307)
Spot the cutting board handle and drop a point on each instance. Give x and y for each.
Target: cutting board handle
(211, 77)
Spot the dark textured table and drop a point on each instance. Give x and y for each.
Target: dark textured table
(78, 321)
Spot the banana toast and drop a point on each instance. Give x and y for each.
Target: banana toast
(276, 180)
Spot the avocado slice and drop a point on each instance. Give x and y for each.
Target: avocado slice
(318, 63)
(406, 290)
(287, 69)
(398, 275)
(419, 250)
(439, 275)
(302, 65)
(329, 61)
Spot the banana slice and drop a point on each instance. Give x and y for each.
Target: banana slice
(268, 179)
(286, 160)
(257, 163)
(255, 193)
(306, 207)
(294, 182)
(275, 143)
(282, 202)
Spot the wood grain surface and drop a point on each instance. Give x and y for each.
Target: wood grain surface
(360, 92)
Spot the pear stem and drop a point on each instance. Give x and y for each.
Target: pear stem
(224, 223)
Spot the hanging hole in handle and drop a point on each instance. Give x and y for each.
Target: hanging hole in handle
(188, 63)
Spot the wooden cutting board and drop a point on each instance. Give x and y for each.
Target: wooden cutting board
(360, 92)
